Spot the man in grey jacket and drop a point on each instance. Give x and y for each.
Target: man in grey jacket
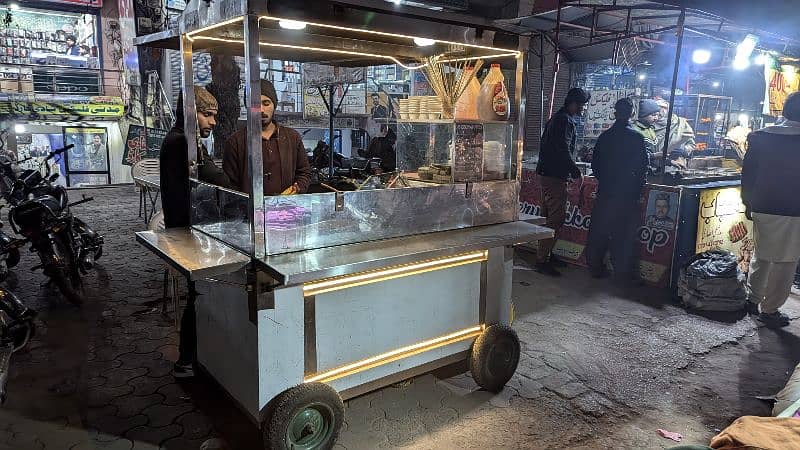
(769, 188)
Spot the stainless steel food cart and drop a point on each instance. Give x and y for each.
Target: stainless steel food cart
(310, 299)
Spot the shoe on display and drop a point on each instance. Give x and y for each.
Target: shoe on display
(774, 320)
(182, 370)
(547, 269)
(751, 308)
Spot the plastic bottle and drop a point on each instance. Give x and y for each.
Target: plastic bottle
(467, 105)
(493, 101)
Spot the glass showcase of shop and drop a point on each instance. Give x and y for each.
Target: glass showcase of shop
(49, 76)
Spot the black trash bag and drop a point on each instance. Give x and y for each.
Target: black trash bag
(712, 281)
(713, 264)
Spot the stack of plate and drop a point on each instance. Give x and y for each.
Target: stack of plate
(430, 107)
(404, 108)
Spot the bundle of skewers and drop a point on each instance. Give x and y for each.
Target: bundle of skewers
(449, 78)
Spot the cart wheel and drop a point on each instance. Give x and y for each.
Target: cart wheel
(494, 358)
(308, 416)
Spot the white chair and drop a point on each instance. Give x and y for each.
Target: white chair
(144, 167)
(170, 277)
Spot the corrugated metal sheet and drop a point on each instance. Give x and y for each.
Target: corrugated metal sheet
(536, 68)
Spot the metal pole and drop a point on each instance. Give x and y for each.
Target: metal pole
(520, 99)
(556, 58)
(252, 73)
(189, 111)
(331, 114)
(541, 84)
(664, 151)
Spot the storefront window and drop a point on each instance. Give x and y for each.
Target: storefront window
(38, 49)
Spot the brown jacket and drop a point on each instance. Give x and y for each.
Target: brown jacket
(294, 161)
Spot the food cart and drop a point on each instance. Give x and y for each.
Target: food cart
(310, 299)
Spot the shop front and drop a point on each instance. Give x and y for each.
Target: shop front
(52, 93)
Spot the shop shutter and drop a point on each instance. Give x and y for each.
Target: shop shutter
(534, 94)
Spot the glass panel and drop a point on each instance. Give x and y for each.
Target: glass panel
(222, 214)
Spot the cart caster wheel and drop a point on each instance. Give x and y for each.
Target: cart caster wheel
(308, 416)
(494, 358)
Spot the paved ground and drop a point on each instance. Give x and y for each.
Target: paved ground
(601, 368)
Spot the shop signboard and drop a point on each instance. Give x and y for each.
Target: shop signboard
(140, 144)
(38, 106)
(656, 233)
(600, 110)
(722, 225)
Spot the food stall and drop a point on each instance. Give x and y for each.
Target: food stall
(644, 50)
(310, 299)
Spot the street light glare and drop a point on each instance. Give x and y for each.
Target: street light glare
(701, 56)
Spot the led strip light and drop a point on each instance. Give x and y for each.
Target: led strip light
(395, 355)
(381, 33)
(389, 273)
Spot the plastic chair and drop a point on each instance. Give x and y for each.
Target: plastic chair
(170, 277)
(144, 167)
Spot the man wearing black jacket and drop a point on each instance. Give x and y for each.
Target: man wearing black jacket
(619, 163)
(175, 201)
(769, 192)
(556, 165)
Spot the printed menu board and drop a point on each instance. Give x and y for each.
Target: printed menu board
(468, 152)
(600, 110)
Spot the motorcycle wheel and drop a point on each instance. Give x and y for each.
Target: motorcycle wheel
(68, 283)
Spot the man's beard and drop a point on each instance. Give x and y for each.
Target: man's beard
(265, 121)
(205, 132)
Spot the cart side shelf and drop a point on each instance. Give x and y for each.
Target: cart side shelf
(311, 265)
(192, 253)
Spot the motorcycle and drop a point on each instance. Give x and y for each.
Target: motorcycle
(40, 212)
(16, 329)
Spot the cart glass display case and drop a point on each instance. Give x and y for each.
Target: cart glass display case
(449, 173)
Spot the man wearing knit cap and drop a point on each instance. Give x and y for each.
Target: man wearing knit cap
(286, 167)
(649, 112)
(175, 201)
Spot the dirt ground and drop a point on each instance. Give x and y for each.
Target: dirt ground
(602, 367)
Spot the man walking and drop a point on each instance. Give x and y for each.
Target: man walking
(556, 166)
(769, 188)
(620, 165)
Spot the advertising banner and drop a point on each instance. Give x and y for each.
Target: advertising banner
(656, 233)
(722, 225)
(600, 110)
(138, 146)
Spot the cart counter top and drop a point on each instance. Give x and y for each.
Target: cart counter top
(310, 265)
(192, 253)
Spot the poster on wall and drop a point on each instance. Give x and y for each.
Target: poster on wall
(722, 225)
(600, 110)
(354, 102)
(90, 151)
(37, 146)
(140, 144)
(88, 156)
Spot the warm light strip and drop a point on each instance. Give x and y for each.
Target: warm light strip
(211, 27)
(323, 50)
(381, 33)
(335, 284)
(395, 355)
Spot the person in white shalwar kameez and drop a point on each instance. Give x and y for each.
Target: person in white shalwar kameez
(771, 195)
